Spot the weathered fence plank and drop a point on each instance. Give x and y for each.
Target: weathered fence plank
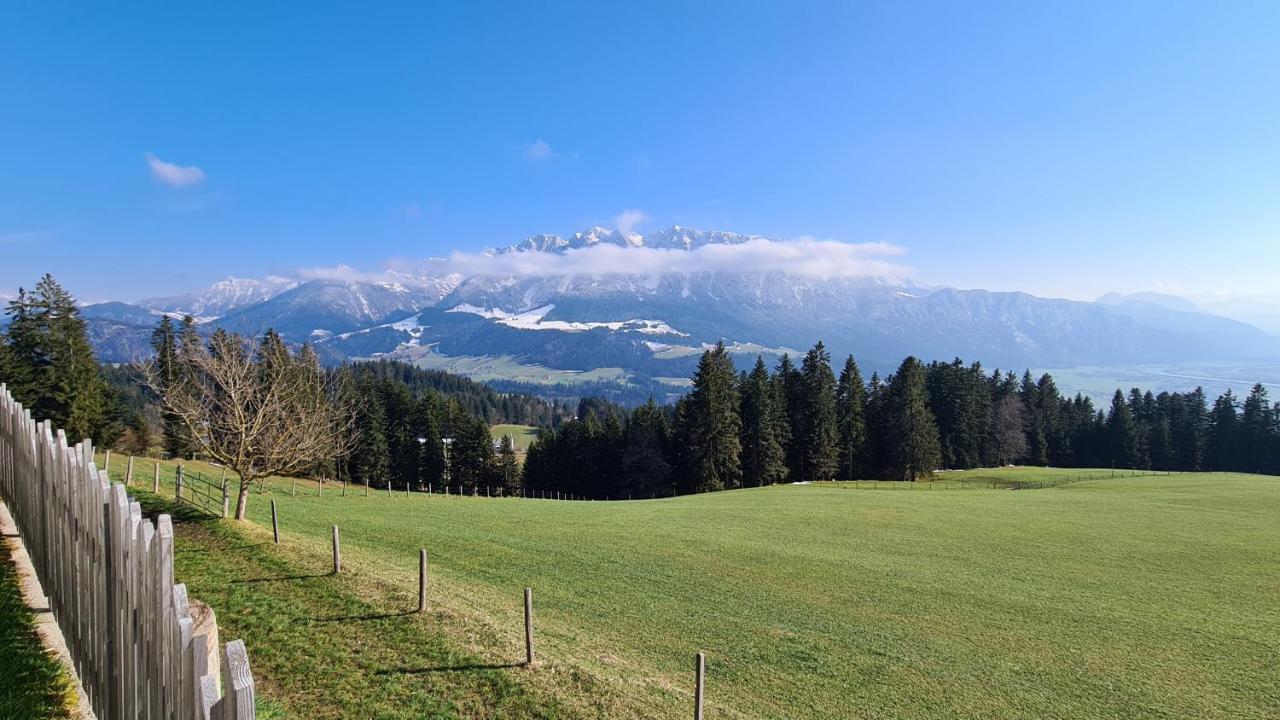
(108, 574)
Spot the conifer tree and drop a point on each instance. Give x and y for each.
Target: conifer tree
(1222, 449)
(50, 367)
(1122, 434)
(1256, 431)
(427, 423)
(507, 466)
(711, 425)
(913, 447)
(763, 429)
(790, 388)
(370, 458)
(851, 421)
(819, 435)
(645, 464)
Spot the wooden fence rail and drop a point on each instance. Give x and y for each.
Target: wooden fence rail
(108, 573)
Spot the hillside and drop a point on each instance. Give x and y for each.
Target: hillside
(1101, 598)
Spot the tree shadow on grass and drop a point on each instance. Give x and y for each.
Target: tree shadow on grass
(449, 668)
(280, 578)
(370, 616)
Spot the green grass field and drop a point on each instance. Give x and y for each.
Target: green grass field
(521, 435)
(33, 684)
(1134, 597)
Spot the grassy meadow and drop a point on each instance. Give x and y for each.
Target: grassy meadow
(1132, 597)
(33, 683)
(521, 435)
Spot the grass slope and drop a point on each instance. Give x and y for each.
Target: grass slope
(521, 435)
(33, 684)
(1145, 597)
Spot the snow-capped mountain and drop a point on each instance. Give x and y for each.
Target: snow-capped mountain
(656, 323)
(222, 297)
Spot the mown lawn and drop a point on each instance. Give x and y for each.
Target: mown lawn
(1142, 597)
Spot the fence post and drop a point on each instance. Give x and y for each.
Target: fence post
(344, 487)
(320, 487)
(239, 700)
(177, 484)
(422, 580)
(700, 686)
(226, 500)
(293, 489)
(528, 626)
(155, 484)
(128, 474)
(275, 523)
(337, 552)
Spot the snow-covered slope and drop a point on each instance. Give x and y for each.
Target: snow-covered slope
(222, 297)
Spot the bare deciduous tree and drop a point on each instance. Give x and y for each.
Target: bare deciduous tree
(260, 411)
(1010, 430)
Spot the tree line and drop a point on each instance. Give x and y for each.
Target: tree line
(402, 425)
(808, 423)
(48, 365)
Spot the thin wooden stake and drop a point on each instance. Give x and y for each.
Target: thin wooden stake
(293, 491)
(337, 552)
(528, 626)
(155, 484)
(128, 474)
(699, 688)
(344, 487)
(275, 523)
(422, 580)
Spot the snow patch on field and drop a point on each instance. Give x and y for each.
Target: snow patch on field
(535, 319)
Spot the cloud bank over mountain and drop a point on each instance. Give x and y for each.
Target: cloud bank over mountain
(806, 257)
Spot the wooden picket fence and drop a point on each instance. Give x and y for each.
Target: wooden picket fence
(108, 573)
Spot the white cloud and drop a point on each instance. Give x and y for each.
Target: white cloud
(174, 175)
(344, 273)
(538, 150)
(628, 219)
(28, 236)
(805, 256)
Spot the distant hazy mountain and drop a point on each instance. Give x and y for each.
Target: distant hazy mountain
(1169, 302)
(657, 325)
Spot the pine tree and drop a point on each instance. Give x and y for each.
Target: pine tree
(646, 467)
(913, 448)
(789, 384)
(1222, 450)
(1122, 434)
(1037, 441)
(819, 436)
(23, 365)
(763, 429)
(427, 422)
(851, 420)
(507, 466)
(370, 459)
(711, 425)
(164, 342)
(471, 452)
(1256, 431)
(50, 366)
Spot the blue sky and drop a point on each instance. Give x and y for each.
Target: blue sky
(1063, 149)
